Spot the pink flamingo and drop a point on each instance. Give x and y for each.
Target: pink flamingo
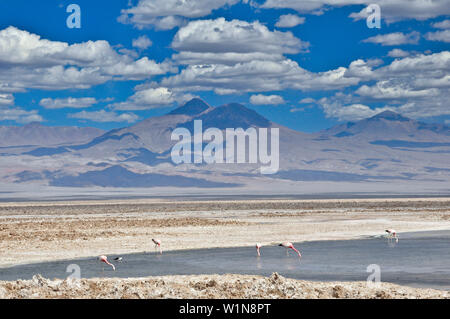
(288, 245)
(157, 243)
(258, 247)
(392, 234)
(105, 260)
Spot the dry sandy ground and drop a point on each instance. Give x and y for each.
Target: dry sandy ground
(32, 232)
(208, 286)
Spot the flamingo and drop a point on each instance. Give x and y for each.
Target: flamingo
(392, 234)
(104, 259)
(289, 245)
(157, 243)
(118, 259)
(258, 247)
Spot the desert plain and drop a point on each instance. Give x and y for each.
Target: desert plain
(45, 231)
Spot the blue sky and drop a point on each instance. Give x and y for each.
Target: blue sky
(327, 69)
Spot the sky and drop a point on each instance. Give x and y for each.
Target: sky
(306, 64)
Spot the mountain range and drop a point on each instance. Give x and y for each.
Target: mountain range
(384, 149)
(35, 134)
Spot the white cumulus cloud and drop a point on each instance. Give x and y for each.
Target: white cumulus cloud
(167, 14)
(387, 90)
(289, 21)
(27, 61)
(396, 38)
(6, 99)
(398, 53)
(392, 10)
(69, 102)
(257, 76)
(148, 98)
(416, 86)
(445, 24)
(105, 116)
(260, 99)
(442, 36)
(240, 37)
(19, 115)
(142, 42)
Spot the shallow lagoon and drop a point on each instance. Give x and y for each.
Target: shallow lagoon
(419, 259)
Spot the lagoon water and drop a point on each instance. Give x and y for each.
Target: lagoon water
(419, 259)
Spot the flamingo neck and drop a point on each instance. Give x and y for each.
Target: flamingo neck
(108, 263)
(296, 250)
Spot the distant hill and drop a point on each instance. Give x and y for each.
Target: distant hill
(389, 125)
(40, 135)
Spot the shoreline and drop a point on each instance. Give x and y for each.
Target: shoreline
(227, 286)
(222, 199)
